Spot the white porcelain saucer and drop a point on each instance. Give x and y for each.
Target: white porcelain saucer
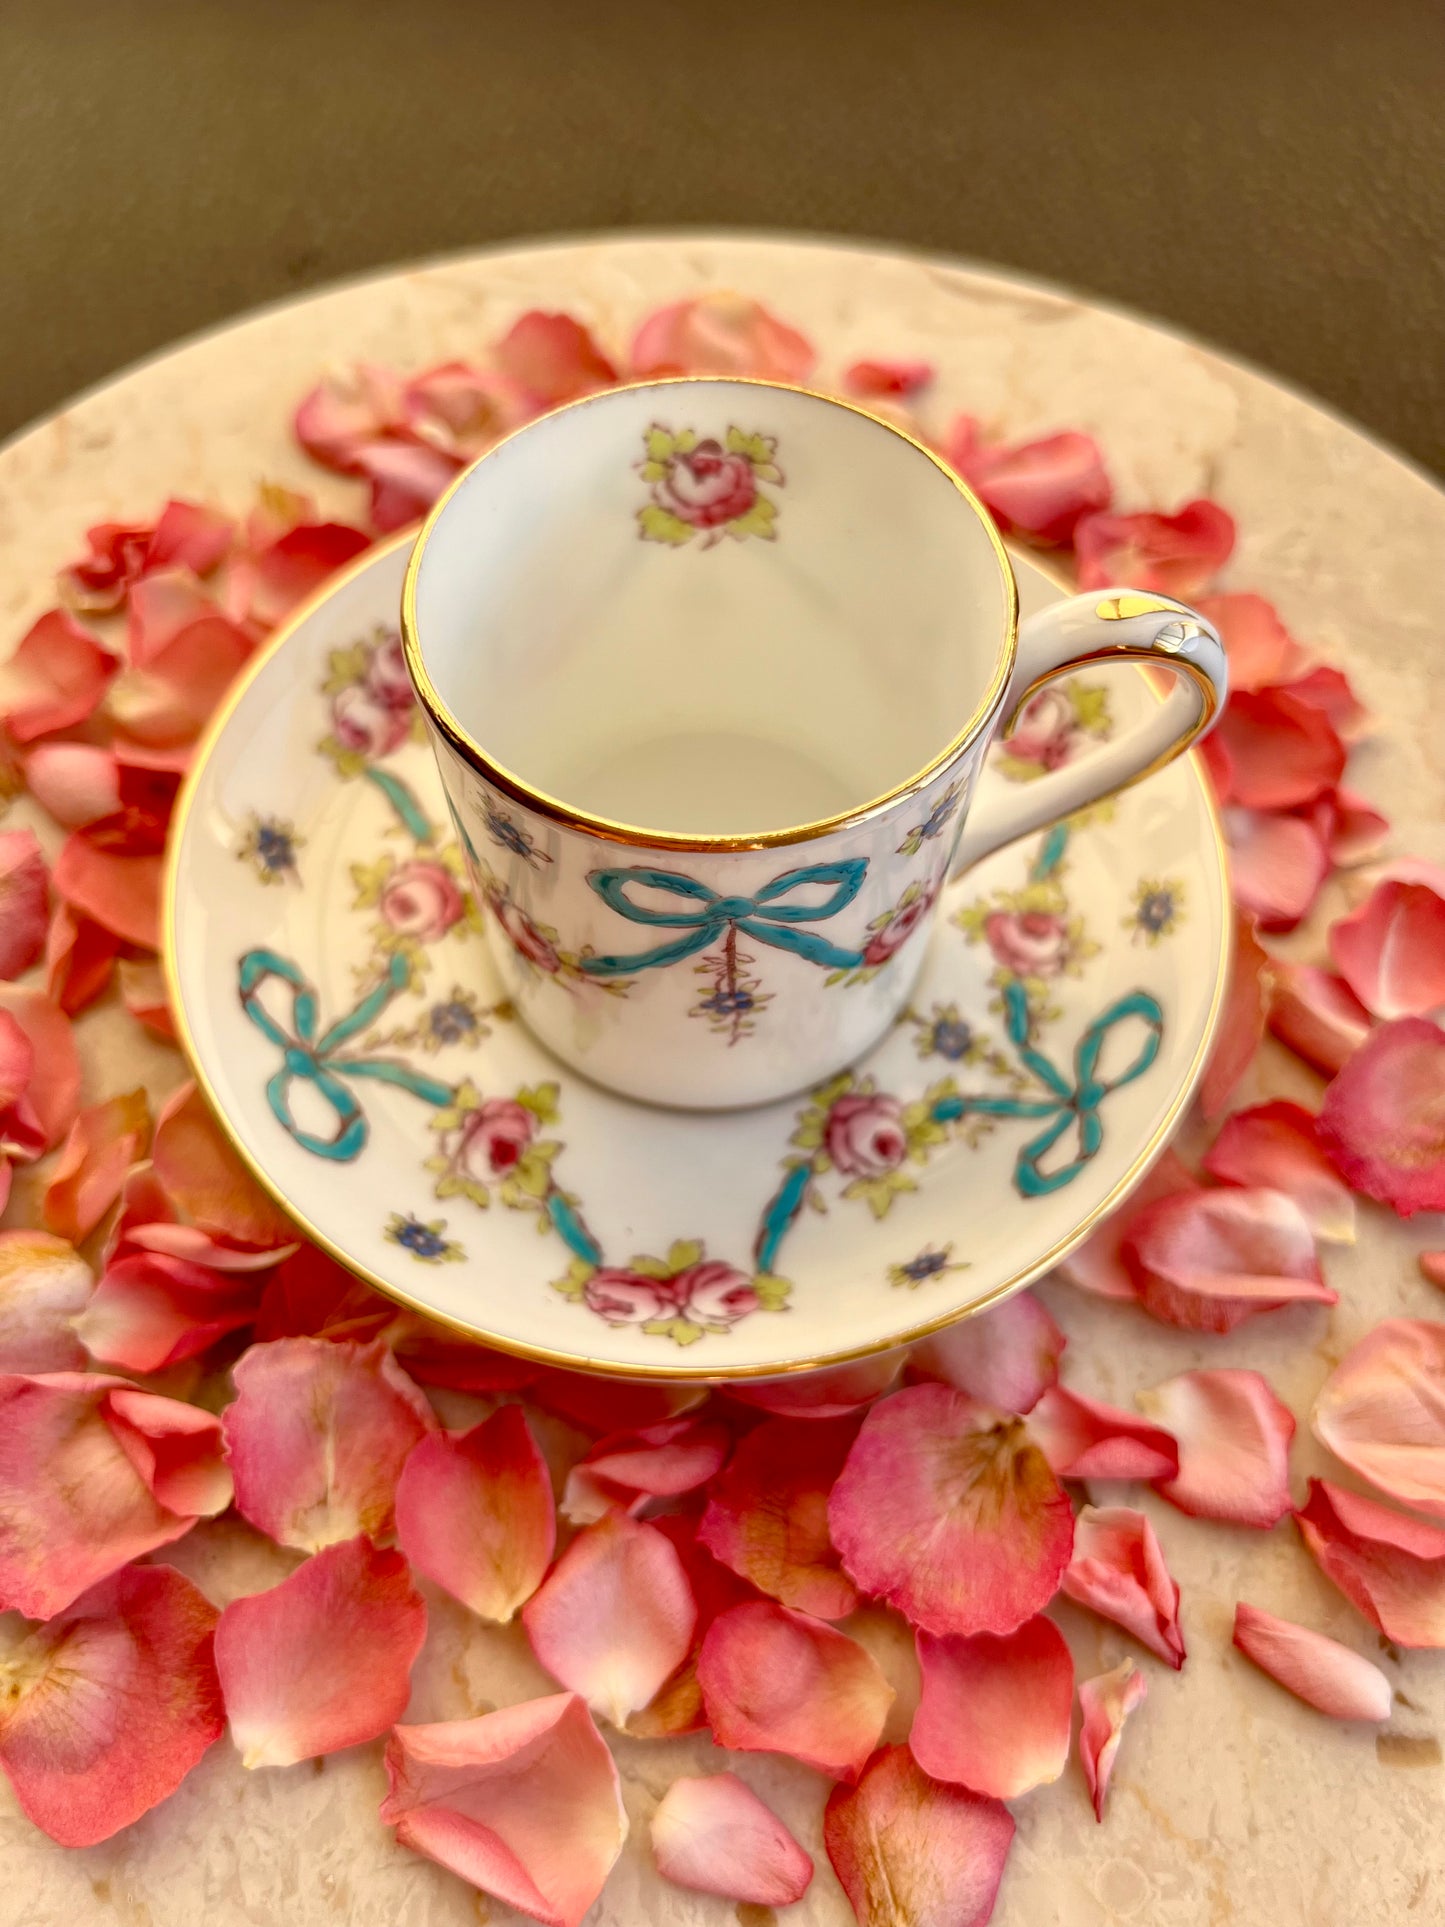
(333, 992)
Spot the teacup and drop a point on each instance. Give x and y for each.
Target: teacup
(784, 633)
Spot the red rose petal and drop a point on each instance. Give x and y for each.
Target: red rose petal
(1040, 488)
(323, 1660)
(908, 1850)
(659, 1462)
(1383, 1117)
(1106, 1701)
(882, 379)
(715, 1836)
(1277, 865)
(185, 535)
(1234, 1438)
(1391, 950)
(1211, 1259)
(474, 1513)
(282, 573)
(1320, 1671)
(777, 1681)
(24, 902)
(54, 1087)
(1007, 1357)
(203, 1176)
(609, 1404)
(1097, 1265)
(1260, 649)
(1391, 1568)
(552, 357)
(1328, 690)
(1083, 1438)
(720, 333)
(994, 1714)
(1317, 1015)
(950, 1512)
(79, 959)
(55, 679)
(104, 1142)
(44, 1283)
(1281, 752)
(1175, 555)
(1118, 1571)
(484, 1797)
(1382, 1411)
(767, 1514)
(310, 1295)
(1277, 1145)
(1241, 1028)
(150, 1311)
(835, 1393)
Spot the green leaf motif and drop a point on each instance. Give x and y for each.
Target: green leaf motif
(660, 525)
(758, 521)
(773, 1292)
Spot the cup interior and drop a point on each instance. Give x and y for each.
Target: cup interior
(711, 607)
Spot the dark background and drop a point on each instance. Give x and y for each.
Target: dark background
(1270, 176)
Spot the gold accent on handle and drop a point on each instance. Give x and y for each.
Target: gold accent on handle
(1118, 608)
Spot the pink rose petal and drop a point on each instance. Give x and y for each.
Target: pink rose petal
(104, 1142)
(1083, 1438)
(715, 1836)
(55, 679)
(80, 957)
(995, 1714)
(317, 1437)
(1316, 1015)
(203, 1176)
(474, 1513)
(720, 333)
(1118, 1571)
(44, 1283)
(1432, 1267)
(53, 1089)
(614, 1617)
(1382, 1411)
(767, 1514)
(77, 783)
(1391, 1568)
(1278, 864)
(323, 1660)
(1320, 1671)
(1260, 649)
(524, 1803)
(170, 700)
(552, 357)
(834, 1393)
(347, 408)
(185, 535)
(1234, 1438)
(1357, 829)
(676, 1707)
(1241, 1028)
(608, 1405)
(282, 573)
(659, 1462)
(778, 1681)
(950, 1512)
(886, 379)
(24, 902)
(1277, 1145)
(1383, 1117)
(1106, 1701)
(1040, 488)
(1329, 691)
(1097, 1265)
(1007, 1357)
(910, 1852)
(111, 1704)
(121, 893)
(1391, 950)
(150, 1310)
(1281, 752)
(143, 992)
(1175, 555)
(1211, 1259)
(310, 1295)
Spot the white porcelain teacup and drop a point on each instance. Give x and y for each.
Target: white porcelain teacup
(783, 633)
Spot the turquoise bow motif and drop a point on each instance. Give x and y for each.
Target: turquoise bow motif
(768, 917)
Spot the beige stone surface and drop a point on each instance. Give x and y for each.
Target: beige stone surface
(1232, 1802)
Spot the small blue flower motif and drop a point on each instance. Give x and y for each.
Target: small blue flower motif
(934, 824)
(453, 1022)
(947, 1034)
(424, 1241)
(270, 847)
(928, 1264)
(729, 1003)
(511, 837)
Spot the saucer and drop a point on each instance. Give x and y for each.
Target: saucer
(332, 990)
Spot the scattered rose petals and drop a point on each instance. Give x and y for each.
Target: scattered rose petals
(1083, 1438)
(1234, 1438)
(77, 783)
(24, 905)
(1280, 752)
(55, 679)
(607, 1405)
(1328, 690)
(1391, 950)
(1432, 1267)
(1118, 1571)
(720, 333)
(104, 1142)
(676, 1707)
(151, 1310)
(1007, 1357)
(1241, 1027)
(460, 410)
(659, 1462)
(110, 1705)
(310, 1295)
(169, 701)
(1391, 1568)
(474, 1513)
(203, 1176)
(1383, 1117)
(43, 1284)
(317, 1437)
(715, 1836)
(484, 1797)
(835, 1393)
(1278, 864)
(1106, 1701)
(1277, 1145)
(1175, 555)
(907, 1849)
(1097, 1265)
(1382, 1411)
(1260, 649)
(767, 1514)
(143, 992)
(1038, 489)
(1320, 1671)
(552, 357)
(1316, 1015)
(54, 1087)
(950, 1512)
(1210, 1259)
(279, 576)
(121, 893)
(79, 958)
(323, 1660)
(778, 1681)
(1357, 829)
(614, 1617)
(185, 535)
(994, 1714)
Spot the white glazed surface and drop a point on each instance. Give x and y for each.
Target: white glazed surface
(1231, 1803)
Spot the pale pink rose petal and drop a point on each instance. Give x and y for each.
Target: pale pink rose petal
(1432, 1267)
(317, 1437)
(1357, 829)
(950, 1512)
(1316, 1015)
(1383, 1117)
(607, 1405)
(1329, 691)
(767, 1514)
(1106, 1701)
(614, 1617)
(269, 583)
(175, 1447)
(55, 678)
(161, 607)
(1176, 555)
(143, 992)
(1234, 1438)
(77, 783)
(1083, 1438)
(715, 1836)
(994, 1714)
(150, 1311)
(347, 407)
(1241, 1028)
(1118, 1571)
(167, 1239)
(170, 700)
(111, 1704)
(1277, 865)
(659, 1462)
(322, 1661)
(910, 1852)
(405, 477)
(1390, 1567)
(54, 1087)
(524, 1803)
(459, 410)
(24, 902)
(184, 535)
(1281, 751)
(1382, 1411)
(203, 1176)
(474, 1513)
(1277, 1145)
(834, 1393)
(80, 956)
(552, 357)
(720, 333)
(105, 1140)
(1007, 1357)
(676, 1707)
(1260, 649)
(1097, 1266)
(44, 1283)
(1320, 1671)
(778, 1681)
(1391, 950)
(1039, 489)
(1211, 1259)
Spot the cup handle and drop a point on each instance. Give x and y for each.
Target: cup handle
(1106, 625)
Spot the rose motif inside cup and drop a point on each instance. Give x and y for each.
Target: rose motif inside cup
(490, 1140)
(864, 1134)
(1031, 943)
(705, 486)
(421, 900)
(366, 723)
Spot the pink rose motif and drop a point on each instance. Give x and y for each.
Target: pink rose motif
(1031, 943)
(625, 1297)
(362, 721)
(1046, 731)
(899, 927)
(707, 487)
(489, 1141)
(863, 1134)
(714, 1293)
(421, 900)
(524, 936)
(386, 675)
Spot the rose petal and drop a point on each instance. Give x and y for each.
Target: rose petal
(24, 902)
(1118, 1570)
(1241, 1028)
(434, 1356)
(1006, 1357)
(1106, 1701)
(871, 378)
(715, 1836)
(950, 1512)
(1382, 1411)
(1357, 829)
(1281, 751)
(150, 1311)
(55, 679)
(777, 1681)
(1039, 488)
(659, 1462)
(1383, 1117)
(1082, 1438)
(1432, 1267)
(552, 357)
(19, 1133)
(309, 1295)
(676, 1707)
(1277, 865)
(1277, 1145)
(1234, 1437)
(1391, 1568)
(104, 1142)
(720, 333)
(122, 893)
(1328, 690)
(1208, 1260)
(43, 1284)
(614, 1616)
(285, 571)
(484, 1797)
(143, 992)
(77, 783)
(203, 1176)
(348, 407)
(1097, 1265)
(1320, 1671)
(834, 1393)
(459, 410)
(323, 1660)
(474, 1513)
(1391, 950)
(1316, 1014)
(1175, 555)
(111, 1704)
(170, 700)
(161, 607)
(767, 1514)
(79, 958)
(54, 1086)
(185, 535)
(609, 1404)
(1260, 649)
(317, 1437)
(908, 1850)
(406, 478)
(995, 1714)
